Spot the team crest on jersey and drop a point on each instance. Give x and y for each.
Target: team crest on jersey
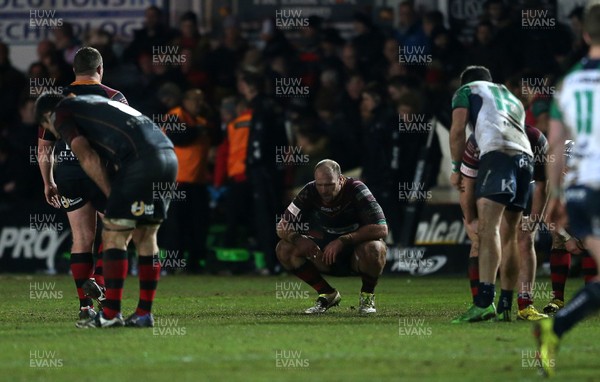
(140, 208)
(137, 208)
(66, 202)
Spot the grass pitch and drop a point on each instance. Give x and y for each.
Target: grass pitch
(253, 329)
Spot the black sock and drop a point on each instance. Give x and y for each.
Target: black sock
(505, 301)
(485, 296)
(585, 302)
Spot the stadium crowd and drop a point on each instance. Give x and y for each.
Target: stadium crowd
(244, 136)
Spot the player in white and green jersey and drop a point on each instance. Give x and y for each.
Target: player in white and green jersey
(497, 119)
(496, 116)
(575, 114)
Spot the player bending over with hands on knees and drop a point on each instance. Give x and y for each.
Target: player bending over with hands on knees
(101, 130)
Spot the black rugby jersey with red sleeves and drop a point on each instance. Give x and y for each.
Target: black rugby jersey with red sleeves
(118, 132)
(352, 208)
(66, 163)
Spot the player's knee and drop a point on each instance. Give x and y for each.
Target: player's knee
(525, 242)
(114, 239)
(83, 237)
(372, 252)
(284, 250)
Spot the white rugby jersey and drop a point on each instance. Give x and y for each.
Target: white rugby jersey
(496, 116)
(577, 104)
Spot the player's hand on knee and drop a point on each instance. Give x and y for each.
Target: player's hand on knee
(472, 230)
(573, 247)
(306, 247)
(331, 251)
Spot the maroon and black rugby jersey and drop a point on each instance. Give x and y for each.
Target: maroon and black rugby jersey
(353, 207)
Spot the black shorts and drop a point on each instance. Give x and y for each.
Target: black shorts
(583, 207)
(343, 263)
(75, 193)
(505, 179)
(133, 193)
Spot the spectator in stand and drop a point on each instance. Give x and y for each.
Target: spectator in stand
(14, 182)
(170, 96)
(410, 34)
(352, 97)
(12, 81)
(225, 59)
(416, 124)
(579, 48)
(230, 167)
(186, 227)
(381, 154)
(329, 48)
(273, 41)
(505, 33)
(45, 48)
(22, 137)
(22, 134)
(447, 57)
(154, 74)
(349, 61)
(266, 135)
(398, 86)
(314, 144)
(431, 21)
(58, 69)
(189, 34)
(195, 76)
(154, 33)
(66, 42)
(342, 132)
(485, 52)
(368, 45)
(391, 65)
(309, 56)
(541, 49)
(196, 49)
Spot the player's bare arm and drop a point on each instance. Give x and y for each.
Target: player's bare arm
(46, 161)
(457, 142)
(306, 247)
(469, 209)
(91, 163)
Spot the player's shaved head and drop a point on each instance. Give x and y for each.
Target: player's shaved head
(591, 23)
(475, 73)
(329, 166)
(86, 61)
(328, 180)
